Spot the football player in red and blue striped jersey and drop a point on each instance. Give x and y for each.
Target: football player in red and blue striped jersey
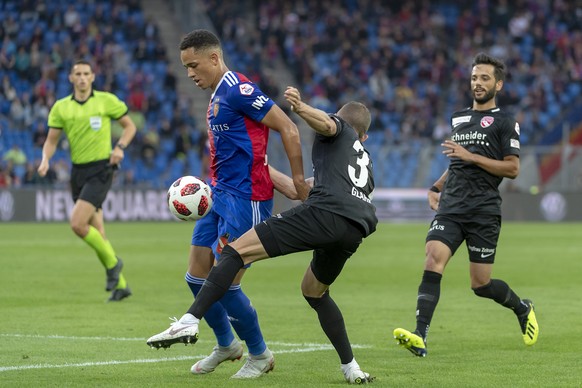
(239, 118)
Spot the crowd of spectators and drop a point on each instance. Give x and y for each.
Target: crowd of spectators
(42, 39)
(409, 61)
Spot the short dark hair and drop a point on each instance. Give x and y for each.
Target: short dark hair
(485, 59)
(357, 115)
(199, 39)
(81, 62)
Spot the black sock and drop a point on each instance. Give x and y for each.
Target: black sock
(429, 292)
(218, 282)
(500, 292)
(332, 323)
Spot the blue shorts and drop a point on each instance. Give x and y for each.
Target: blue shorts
(229, 218)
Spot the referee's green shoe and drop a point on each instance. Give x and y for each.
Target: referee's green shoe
(410, 341)
(529, 324)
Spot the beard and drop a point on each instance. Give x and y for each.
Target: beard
(486, 98)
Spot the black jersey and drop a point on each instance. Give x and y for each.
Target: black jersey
(344, 181)
(468, 188)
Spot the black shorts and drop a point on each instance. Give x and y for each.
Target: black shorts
(91, 181)
(480, 232)
(332, 238)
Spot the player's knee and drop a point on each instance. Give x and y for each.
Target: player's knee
(314, 302)
(485, 291)
(437, 256)
(79, 228)
(231, 253)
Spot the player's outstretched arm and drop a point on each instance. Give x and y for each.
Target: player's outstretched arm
(315, 118)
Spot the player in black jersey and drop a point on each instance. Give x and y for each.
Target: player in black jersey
(483, 149)
(332, 222)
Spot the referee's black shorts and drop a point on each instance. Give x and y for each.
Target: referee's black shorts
(91, 181)
(333, 238)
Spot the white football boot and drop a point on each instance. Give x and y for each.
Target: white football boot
(256, 366)
(219, 355)
(184, 330)
(354, 375)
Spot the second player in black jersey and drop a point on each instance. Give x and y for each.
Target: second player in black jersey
(469, 188)
(483, 149)
(332, 222)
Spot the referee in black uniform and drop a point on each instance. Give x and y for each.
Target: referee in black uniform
(483, 149)
(332, 222)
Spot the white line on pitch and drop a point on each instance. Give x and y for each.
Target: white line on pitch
(55, 336)
(136, 339)
(147, 361)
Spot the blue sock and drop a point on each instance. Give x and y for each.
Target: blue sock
(216, 316)
(244, 319)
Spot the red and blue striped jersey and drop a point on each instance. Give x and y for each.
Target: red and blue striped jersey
(238, 140)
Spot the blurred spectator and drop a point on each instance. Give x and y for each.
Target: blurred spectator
(5, 177)
(17, 113)
(166, 131)
(441, 131)
(39, 134)
(7, 89)
(62, 171)
(71, 17)
(169, 80)
(31, 176)
(149, 147)
(22, 62)
(184, 141)
(15, 155)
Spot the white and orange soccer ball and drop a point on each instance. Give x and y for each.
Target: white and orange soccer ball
(189, 198)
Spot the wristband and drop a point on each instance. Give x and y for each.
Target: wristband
(121, 146)
(434, 189)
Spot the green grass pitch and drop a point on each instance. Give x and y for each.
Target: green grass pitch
(56, 329)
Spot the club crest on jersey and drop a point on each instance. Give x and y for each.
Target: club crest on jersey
(246, 89)
(215, 109)
(486, 121)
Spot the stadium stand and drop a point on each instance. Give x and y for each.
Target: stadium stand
(40, 41)
(412, 77)
(375, 51)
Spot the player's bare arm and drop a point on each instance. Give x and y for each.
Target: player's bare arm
(277, 120)
(129, 130)
(434, 194)
(48, 150)
(507, 168)
(284, 184)
(315, 118)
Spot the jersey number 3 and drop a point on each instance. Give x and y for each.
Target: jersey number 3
(359, 179)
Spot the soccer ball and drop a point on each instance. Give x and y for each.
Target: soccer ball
(189, 198)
